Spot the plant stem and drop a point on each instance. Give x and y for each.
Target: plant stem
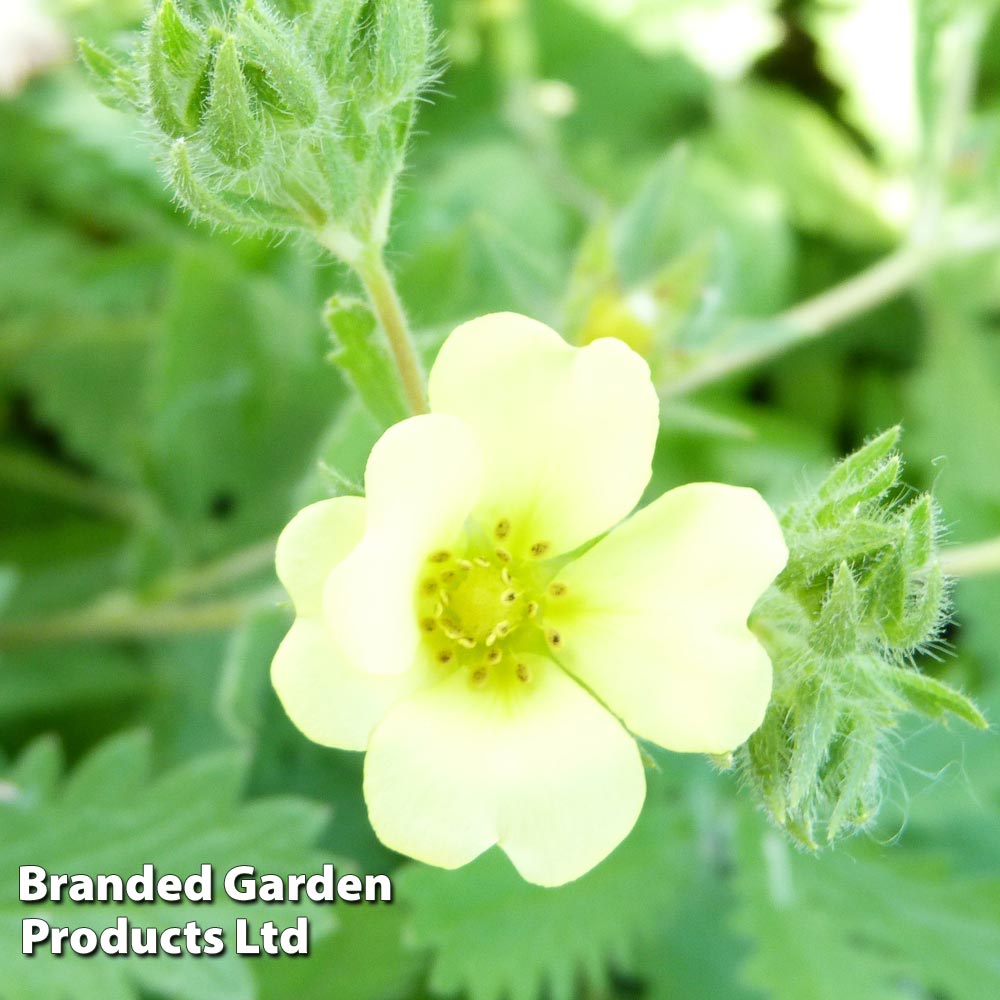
(977, 559)
(375, 276)
(230, 569)
(822, 313)
(131, 621)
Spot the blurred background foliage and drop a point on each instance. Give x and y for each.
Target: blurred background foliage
(704, 178)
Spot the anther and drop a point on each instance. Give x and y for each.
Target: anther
(444, 655)
(499, 631)
(508, 596)
(429, 586)
(464, 563)
(450, 629)
(444, 598)
(502, 530)
(553, 638)
(532, 609)
(447, 576)
(494, 656)
(503, 555)
(539, 549)
(428, 624)
(466, 641)
(485, 563)
(440, 556)
(478, 676)
(523, 673)
(505, 576)
(557, 589)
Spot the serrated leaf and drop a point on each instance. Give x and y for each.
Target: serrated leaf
(493, 935)
(875, 925)
(112, 815)
(367, 957)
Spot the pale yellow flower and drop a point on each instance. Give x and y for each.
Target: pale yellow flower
(463, 626)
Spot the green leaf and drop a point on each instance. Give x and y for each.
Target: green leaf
(493, 935)
(875, 925)
(112, 815)
(364, 359)
(240, 395)
(366, 958)
(831, 189)
(246, 672)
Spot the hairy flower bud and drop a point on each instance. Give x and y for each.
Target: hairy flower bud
(293, 114)
(862, 593)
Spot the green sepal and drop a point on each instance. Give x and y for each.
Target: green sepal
(236, 211)
(856, 776)
(162, 88)
(397, 48)
(266, 40)
(233, 130)
(768, 750)
(183, 47)
(879, 481)
(837, 630)
(814, 729)
(935, 699)
(116, 85)
(855, 471)
(921, 533)
(363, 359)
(331, 32)
(826, 547)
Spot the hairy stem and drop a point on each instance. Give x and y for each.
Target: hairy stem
(381, 290)
(823, 313)
(977, 559)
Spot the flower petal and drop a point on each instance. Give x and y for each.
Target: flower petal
(653, 619)
(544, 771)
(327, 699)
(567, 433)
(422, 479)
(313, 542)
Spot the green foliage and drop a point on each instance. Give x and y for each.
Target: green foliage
(492, 935)
(863, 592)
(871, 925)
(167, 401)
(112, 815)
(271, 120)
(364, 359)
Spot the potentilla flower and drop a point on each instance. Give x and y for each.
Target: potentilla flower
(485, 628)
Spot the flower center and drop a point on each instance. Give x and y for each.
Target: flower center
(480, 609)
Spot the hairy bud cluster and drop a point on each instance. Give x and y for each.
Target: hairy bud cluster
(862, 593)
(283, 115)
